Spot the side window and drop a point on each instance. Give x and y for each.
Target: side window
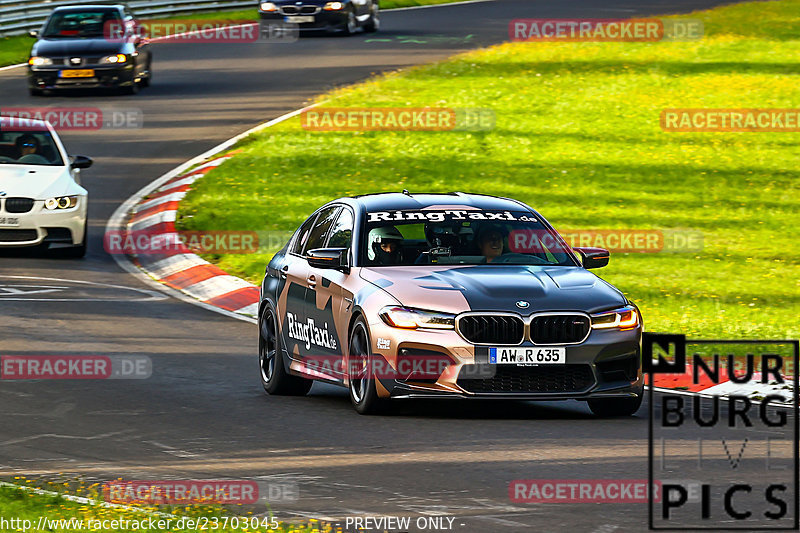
(302, 235)
(319, 232)
(342, 231)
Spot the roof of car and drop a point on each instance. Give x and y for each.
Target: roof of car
(408, 201)
(89, 6)
(22, 123)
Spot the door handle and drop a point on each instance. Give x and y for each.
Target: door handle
(312, 281)
(283, 272)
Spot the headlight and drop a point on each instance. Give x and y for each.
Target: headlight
(40, 61)
(333, 6)
(623, 318)
(62, 202)
(268, 7)
(403, 317)
(116, 58)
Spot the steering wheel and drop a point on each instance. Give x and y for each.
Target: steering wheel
(519, 259)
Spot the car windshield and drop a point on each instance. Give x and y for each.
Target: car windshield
(80, 24)
(26, 147)
(464, 236)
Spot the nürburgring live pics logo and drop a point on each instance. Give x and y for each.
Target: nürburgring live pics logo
(723, 435)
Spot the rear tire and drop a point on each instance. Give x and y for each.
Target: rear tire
(274, 377)
(363, 393)
(614, 407)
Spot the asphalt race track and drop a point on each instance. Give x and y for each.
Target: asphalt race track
(203, 414)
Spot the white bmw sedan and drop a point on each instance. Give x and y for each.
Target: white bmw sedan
(41, 200)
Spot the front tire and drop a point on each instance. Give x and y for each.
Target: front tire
(363, 393)
(274, 377)
(373, 23)
(131, 89)
(147, 79)
(351, 26)
(35, 92)
(78, 251)
(614, 407)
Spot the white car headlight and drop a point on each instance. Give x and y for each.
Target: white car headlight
(622, 318)
(61, 202)
(116, 58)
(37, 61)
(334, 6)
(267, 7)
(406, 318)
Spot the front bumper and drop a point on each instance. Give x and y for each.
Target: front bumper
(323, 21)
(111, 76)
(40, 225)
(606, 365)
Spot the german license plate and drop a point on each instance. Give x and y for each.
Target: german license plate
(78, 73)
(528, 356)
(300, 19)
(9, 222)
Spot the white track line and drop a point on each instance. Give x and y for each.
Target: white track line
(118, 221)
(464, 2)
(9, 67)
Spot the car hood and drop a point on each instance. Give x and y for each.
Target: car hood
(74, 47)
(496, 288)
(37, 182)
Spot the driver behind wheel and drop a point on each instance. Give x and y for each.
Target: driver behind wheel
(29, 147)
(490, 241)
(385, 246)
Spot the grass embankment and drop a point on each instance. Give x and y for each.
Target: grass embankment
(21, 505)
(578, 138)
(14, 50)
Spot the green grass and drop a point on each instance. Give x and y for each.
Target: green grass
(24, 505)
(578, 138)
(15, 50)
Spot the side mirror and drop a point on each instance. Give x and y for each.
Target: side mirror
(81, 161)
(334, 258)
(593, 257)
(34, 34)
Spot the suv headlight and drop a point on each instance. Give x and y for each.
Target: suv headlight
(622, 318)
(407, 318)
(267, 7)
(116, 58)
(37, 61)
(62, 202)
(334, 6)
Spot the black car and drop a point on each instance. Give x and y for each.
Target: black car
(346, 16)
(89, 46)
